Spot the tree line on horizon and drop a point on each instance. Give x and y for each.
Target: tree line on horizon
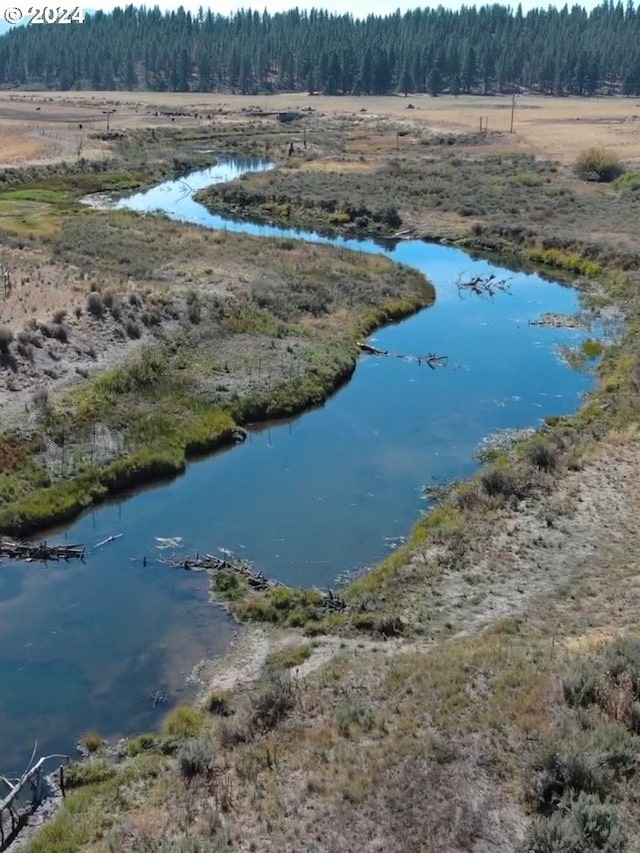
(472, 51)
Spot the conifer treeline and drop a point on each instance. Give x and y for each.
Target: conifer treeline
(489, 49)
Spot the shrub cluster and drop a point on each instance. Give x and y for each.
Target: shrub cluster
(571, 781)
(598, 164)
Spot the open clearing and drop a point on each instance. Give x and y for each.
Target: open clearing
(43, 126)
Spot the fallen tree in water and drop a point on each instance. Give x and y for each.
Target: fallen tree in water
(40, 551)
(483, 285)
(255, 580)
(431, 360)
(14, 812)
(210, 563)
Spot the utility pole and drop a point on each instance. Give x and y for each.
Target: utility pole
(513, 110)
(108, 114)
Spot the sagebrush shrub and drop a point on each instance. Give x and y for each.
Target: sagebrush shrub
(599, 164)
(581, 825)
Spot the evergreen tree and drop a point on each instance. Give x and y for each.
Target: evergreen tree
(472, 50)
(405, 83)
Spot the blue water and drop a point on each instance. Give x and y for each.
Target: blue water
(86, 646)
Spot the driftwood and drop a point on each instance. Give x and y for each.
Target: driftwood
(109, 539)
(483, 285)
(209, 563)
(557, 321)
(431, 360)
(333, 602)
(32, 776)
(40, 551)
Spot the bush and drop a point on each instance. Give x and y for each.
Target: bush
(582, 825)
(95, 305)
(194, 759)
(132, 329)
(617, 748)
(352, 712)
(58, 331)
(390, 216)
(497, 481)
(194, 312)
(6, 336)
(59, 315)
(582, 684)
(542, 455)
(91, 741)
(184, 722)
(116, 309)
(143, 743)
(274, 701)
(622, 662)
(598, 164)
(558, 773)
(219, 703)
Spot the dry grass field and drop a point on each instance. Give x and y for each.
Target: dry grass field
(44, 126)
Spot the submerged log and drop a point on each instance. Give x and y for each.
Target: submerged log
(430, 360)
(368, 348)
(40, 551)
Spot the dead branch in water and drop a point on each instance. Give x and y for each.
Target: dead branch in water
(483, 285)
(431, 360)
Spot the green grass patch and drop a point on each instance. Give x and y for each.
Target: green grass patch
(629, 183)
(440, 522)
(280, 606)
(90, 810)
(184, 722)
(289, 657)
(592, 348)
(47, 196)
(568, 261)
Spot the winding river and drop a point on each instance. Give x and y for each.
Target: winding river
(88, 646)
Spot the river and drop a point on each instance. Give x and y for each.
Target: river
(86, 647)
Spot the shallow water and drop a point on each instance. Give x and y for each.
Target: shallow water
(86, 646)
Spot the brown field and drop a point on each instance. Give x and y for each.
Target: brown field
(44, 126)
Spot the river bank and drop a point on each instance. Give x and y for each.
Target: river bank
(174, 320)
